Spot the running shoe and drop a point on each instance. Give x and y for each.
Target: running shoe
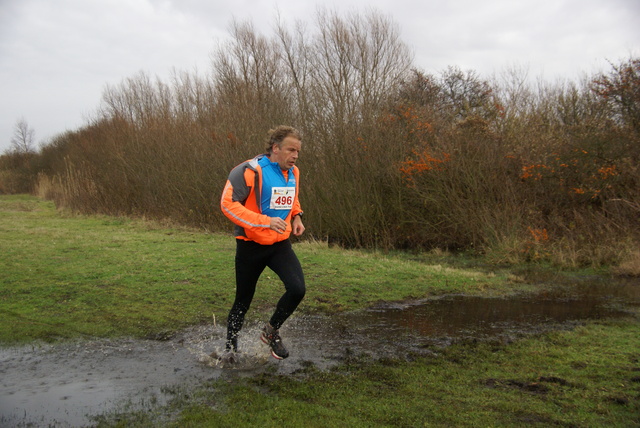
(271, 337)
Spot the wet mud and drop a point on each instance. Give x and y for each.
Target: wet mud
(70, 384)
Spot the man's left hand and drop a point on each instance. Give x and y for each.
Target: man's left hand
(297, 226)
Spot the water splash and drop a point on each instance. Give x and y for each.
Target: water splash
(251, 354)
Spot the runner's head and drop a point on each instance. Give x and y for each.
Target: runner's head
(283, 146)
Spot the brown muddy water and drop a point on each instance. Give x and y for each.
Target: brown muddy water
(73, 383)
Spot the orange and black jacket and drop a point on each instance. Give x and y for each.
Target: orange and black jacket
(243, 203)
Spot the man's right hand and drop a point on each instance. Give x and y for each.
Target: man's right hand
(278, 224)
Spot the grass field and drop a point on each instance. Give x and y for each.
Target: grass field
(66, 276)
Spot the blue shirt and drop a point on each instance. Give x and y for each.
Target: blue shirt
(272, 176)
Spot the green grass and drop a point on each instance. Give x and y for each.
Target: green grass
(67, 275)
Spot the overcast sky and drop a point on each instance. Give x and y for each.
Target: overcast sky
(56, 56)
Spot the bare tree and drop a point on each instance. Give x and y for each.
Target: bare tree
(464, 93)
(621, 88)
(23, 140)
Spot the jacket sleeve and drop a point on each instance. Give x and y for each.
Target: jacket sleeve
(296, 209)
(234, 197)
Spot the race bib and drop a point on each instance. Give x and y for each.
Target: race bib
(282, 198)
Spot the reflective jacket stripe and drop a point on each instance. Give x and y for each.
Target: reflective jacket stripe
(229, 213)
(240, 202)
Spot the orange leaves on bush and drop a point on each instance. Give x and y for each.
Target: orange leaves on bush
(607, 171)
(534, 172)
(361, 143)
(422, 162)
(539, 235)
(580, 173)
(534, 247)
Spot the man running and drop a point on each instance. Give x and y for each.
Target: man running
(261, 199)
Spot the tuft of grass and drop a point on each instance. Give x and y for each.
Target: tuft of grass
(630, 266)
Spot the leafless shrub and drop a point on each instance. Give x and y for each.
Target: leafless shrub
(393, 157)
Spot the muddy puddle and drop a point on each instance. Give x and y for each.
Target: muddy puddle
(70, 384)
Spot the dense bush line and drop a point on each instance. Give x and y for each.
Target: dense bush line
(393, 157)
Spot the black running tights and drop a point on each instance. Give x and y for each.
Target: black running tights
(251, 260)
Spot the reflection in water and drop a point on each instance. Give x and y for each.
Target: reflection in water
(480, 317)
(394, 330)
